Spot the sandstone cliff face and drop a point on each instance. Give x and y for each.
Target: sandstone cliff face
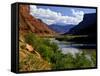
(29, 23)
(29, 58)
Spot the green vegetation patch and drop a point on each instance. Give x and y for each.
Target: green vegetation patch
(50, 52)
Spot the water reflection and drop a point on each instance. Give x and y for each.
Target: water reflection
(71, 50)
(69, 47)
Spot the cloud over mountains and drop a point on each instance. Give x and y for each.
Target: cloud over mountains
(52, 17)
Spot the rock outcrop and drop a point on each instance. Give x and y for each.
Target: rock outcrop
(29, 23)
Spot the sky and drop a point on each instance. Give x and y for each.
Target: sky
(60, 15)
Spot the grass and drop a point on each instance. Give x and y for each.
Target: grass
(30, 61)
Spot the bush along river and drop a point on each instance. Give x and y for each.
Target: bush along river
(73, 47)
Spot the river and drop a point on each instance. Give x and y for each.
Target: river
(71, 47)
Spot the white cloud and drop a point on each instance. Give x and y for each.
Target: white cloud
(51, 17)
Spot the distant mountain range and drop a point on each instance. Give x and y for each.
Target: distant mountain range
(61, 28)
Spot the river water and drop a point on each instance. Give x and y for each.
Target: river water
(70, 47)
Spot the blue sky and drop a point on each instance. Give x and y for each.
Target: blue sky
(66, 10)
(59, 15)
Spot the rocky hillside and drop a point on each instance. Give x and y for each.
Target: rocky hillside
(29, 23)
(29, 58)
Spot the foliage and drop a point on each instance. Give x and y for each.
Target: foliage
(93, 56)
(50, 52)
(82, 61)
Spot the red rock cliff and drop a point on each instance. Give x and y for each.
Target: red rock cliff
(29, 23)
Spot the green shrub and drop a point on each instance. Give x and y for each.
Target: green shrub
(64, 61)
(43, 46)
(31, 39)
(45, 51)
(93, 57)
(81, 61)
